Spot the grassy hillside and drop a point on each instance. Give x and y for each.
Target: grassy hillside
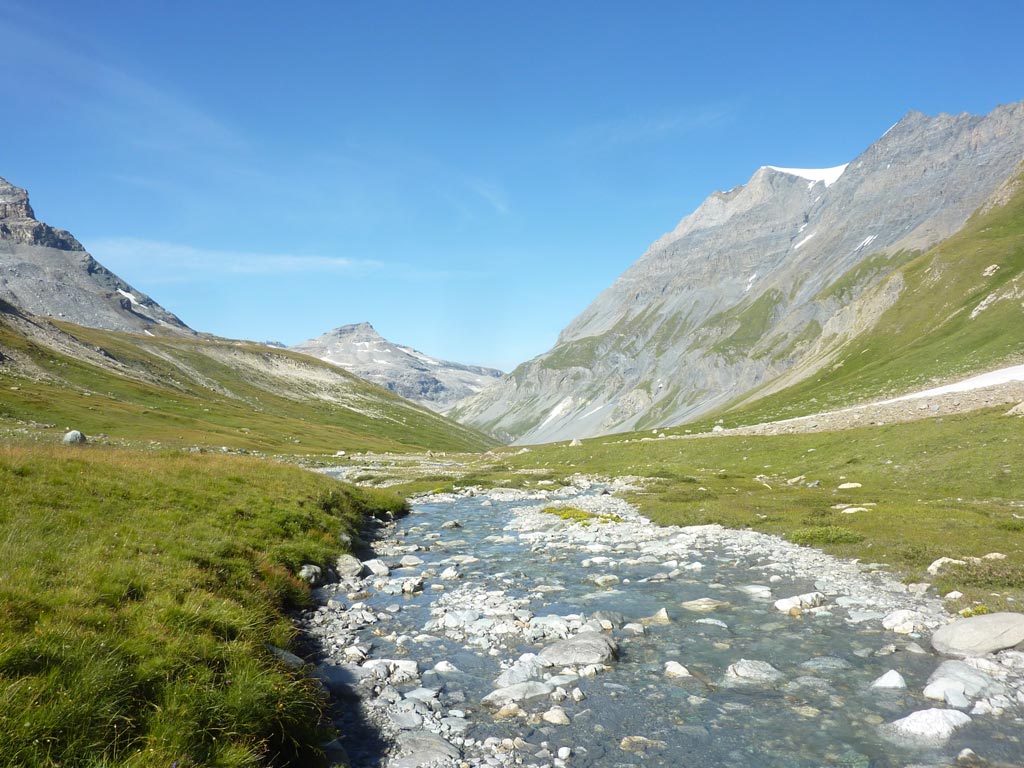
(139, 593)
(185, 391)
(960, 312)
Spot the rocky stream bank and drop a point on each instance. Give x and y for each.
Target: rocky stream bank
(489, 630)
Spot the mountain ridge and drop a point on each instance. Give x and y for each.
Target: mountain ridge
(739, 290)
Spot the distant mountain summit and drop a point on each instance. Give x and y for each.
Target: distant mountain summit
(435, 384)
(47, 272)
(761, 282)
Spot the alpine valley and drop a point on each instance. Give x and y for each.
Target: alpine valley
(780, 282)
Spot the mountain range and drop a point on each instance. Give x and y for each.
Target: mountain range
(763, 286)
(81, 347)
(436, 384)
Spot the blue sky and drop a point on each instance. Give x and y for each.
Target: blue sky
(467, 176)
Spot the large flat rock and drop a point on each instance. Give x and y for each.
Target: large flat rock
(584, 648)
(978, 635)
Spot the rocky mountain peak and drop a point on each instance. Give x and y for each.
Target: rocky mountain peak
(436, 384)
(14, 202)
(46, 271)
(18, 222)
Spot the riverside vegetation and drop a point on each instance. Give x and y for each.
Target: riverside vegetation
(141, 593)
(946, 487)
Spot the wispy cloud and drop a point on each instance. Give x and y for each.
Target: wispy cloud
(174, 262)
(57, 67)
(643, 129)
(490, 193)
(160, 262)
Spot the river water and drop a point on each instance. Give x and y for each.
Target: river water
(513, 579)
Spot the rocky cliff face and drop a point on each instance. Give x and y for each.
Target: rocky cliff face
(46, 271)
(435, 384)
(741, 290)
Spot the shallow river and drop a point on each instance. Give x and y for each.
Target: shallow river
(512, 580)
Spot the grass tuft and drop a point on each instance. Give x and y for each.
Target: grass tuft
(140, 592)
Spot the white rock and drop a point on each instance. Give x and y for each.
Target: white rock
(803, 602)
(556, 716)
(978, 635)
(753, 671)
(929, 725)
(941, 563)
(848, 486)
(890, 680)
(673, 669)
(376, 567)
(704, 605)
(961, 677)
(516, 693)
(904, 621)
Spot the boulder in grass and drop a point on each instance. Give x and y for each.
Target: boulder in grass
(74, 437)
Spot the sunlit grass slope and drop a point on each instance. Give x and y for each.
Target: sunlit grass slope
(185, 391)
(960, 312)
(138, 595)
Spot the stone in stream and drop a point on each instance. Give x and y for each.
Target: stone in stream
(617, 619)
(377, 567)
(904, 622)
(891, 680)
(675, 670)
(661, 617)
(527, 667)
(556, 716)
(960, 677)
(752, 671)
(804, 601)
(513, 694)
(640, 744)
(348, 567)
(420, 749)
(406, 721)
(978, 635)
(932, 726)
(586, 648)
(704, 605)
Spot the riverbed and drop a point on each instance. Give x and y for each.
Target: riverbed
(445, 651)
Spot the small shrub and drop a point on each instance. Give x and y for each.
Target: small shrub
(824, 535)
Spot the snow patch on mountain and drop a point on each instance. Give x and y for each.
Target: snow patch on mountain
(827, 175)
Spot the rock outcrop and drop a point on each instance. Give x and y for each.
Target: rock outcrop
(47, 272)
(756, 283)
